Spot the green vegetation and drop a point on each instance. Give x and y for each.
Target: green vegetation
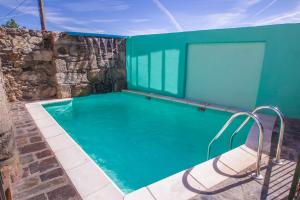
(11, 24)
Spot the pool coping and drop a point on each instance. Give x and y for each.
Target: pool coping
(88, 178)
(198, 104)
(91, 181)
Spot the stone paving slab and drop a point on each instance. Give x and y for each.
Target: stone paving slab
(42, 176)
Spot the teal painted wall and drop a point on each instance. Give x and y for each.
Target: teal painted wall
(158, 63)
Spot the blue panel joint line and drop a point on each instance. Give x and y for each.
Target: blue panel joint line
(95, 35)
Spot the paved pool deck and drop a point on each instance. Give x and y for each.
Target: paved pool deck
(43, 177)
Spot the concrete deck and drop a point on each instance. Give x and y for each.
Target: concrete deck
(278, 178)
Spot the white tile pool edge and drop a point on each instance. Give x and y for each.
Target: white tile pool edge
(91, 181)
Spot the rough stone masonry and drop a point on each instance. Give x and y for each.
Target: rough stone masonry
(48, 65)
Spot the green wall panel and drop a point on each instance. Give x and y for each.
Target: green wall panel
(156, 70)
(171, 71)
(224, 73)
(143, 69)
(279, 82)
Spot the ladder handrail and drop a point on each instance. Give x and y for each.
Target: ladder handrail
(282, 126)
(260, 140)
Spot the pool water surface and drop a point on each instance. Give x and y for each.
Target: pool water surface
(137, 140)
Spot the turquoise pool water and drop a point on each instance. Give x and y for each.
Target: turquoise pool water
(138, 141)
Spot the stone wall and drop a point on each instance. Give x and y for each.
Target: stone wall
(48, 65)
(7, 145)
(27, 64)
(9, 166)
(87, 65)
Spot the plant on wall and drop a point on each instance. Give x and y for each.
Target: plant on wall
(11, 24)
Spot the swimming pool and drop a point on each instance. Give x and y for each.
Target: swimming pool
(137, 140)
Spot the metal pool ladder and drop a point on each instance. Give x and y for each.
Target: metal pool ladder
(257, 174)
(252, 115)
(276, 160)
